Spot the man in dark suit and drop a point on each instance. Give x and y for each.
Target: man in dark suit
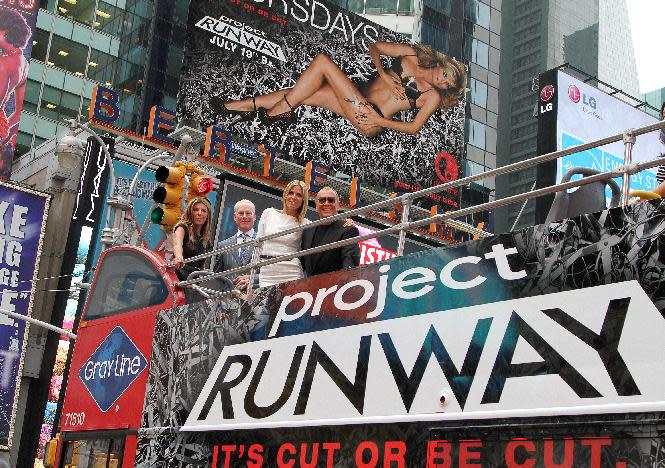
(244, 215)
(327, 204)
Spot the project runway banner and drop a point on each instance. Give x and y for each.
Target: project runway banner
(543, 353)
(243, 49)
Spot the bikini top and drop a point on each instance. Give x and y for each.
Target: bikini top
(408, 83)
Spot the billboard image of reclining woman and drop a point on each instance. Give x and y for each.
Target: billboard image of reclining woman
(325, 84)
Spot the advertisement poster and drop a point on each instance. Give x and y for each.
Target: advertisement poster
(329, 86)
(23, 214)
(585, 114)
(17, 22)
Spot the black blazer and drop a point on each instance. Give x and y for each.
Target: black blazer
(331, 260)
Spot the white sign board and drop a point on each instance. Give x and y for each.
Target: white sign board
(586, 351)
(585, 114)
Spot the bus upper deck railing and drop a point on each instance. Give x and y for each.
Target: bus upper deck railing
(628, 137)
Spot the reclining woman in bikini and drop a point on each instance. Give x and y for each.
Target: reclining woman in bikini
(419, 78)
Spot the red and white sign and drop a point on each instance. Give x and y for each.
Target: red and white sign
(547, 93)
(574, 93)
(372, 253)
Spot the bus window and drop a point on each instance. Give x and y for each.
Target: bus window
(93, 453)
(126, 281)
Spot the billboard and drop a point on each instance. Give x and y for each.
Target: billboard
(23, 214)
(571, 112)
(17, 23)
(329, 86)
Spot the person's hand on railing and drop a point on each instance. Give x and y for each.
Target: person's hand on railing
(178, 261)
(348, 222)
(241, 282)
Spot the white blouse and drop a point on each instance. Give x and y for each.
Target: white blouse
(273, 221)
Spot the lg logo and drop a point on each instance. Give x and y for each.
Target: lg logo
(575, 95)
(546, 95)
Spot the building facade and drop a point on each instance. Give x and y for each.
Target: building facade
(590, 35)
(654, 99)
(134, 46)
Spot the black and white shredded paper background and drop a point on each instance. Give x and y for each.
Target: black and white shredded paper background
(210, 70)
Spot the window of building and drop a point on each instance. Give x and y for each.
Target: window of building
(435, 29)
(478, 12)
(475, 133)
(440, 6)
(381, 7)
(476, 51)
(478, 93)
(473, 168)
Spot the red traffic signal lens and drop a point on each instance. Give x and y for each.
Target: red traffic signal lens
(203, 185)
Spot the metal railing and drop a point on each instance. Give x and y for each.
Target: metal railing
(627, 169)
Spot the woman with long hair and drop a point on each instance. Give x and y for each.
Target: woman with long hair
(418, 78)
(191, 236)
(294, 207)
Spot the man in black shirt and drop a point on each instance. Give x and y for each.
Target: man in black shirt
(348, 256)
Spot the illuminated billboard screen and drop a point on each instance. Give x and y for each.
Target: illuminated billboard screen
(328, 85)
(571, 112)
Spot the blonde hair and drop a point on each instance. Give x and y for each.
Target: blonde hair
(187, 221)
(300, 215)
(430, 58)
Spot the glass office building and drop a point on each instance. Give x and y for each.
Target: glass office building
(654, 99)
(462, 28)
(537, 35)
(133, 46)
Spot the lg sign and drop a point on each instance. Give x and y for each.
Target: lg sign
(546, 95)
(575, 95)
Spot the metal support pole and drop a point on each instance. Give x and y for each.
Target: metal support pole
(406, 208)
(48, 326)
(628, 142)
(256, 257)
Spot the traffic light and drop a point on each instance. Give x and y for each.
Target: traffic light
(169, 195)
(199, 185)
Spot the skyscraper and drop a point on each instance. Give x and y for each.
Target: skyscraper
(134, 46)
(590, 35)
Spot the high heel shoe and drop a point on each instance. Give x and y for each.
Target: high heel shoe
(285, 118)
(218, 106)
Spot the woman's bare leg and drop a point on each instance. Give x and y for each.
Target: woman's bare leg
(267, 101)
(322, 72)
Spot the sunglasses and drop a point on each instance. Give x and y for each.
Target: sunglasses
(326, 200)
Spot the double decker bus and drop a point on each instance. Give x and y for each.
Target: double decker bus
(541, 347)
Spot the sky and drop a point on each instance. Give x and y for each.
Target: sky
(647, 22)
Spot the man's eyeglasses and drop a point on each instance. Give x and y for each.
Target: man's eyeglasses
(326, 200)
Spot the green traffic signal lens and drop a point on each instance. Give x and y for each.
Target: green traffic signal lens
(157, 215)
